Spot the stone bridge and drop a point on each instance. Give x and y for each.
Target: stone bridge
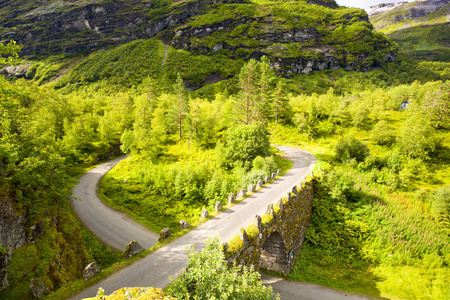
(274, 240)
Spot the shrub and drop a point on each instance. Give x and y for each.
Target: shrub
(440, 204)
(349, 147)
(245, 143)
(207, 276)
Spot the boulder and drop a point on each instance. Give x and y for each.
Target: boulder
(258, 222)
(241, 193)
(273, 175)
(294, 190)
(133, 248)
(38, 288)
(278, 172)
(218, 206)
(259, 184)
(266, 179)
(204, 214)
(231, 198)
(270, 211)
(243, 236)
(251, 188)
(164, 234)
(90, 271)
(184, 224)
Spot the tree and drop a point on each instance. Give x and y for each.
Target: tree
(263, 107)
(280, 104)
(255, 83)
(249, 91)
(349, 147)
(207, 276)
(440, 204)
(9, 53)
(416, 138)
(245, 143)
(180, 106)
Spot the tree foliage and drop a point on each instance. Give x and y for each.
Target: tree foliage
(245, 143)
(207, 276)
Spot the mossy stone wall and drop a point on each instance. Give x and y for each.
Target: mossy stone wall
(288, 219)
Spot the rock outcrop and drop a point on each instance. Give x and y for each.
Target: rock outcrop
(238, 29)
(12, 236)
(133, 248)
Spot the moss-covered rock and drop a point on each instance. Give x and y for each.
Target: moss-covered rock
(149, 293)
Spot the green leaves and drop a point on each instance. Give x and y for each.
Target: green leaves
(207, 276)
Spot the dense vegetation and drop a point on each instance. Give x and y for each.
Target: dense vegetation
(198, 127)
(208, 276)
(380, 224)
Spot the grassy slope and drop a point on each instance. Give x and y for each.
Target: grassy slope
(396, 257)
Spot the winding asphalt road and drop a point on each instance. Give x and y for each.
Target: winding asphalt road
(154, 270)
(111, 226)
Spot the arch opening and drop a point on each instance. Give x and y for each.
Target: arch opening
(274, 255)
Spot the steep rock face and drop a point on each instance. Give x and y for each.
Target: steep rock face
(98, 24)
(298, 37)
(12, 236)
(297, 48)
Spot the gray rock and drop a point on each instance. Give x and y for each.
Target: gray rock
(294, 190)
(90, 271)
(251, 188)
(243, 236)
(266, 179)
(269, 210)
(218, 206)
(12, 236)
(164, 234)
(184, 224)
(278, 172)
(205, 214)
(281, 206)
(312, 174)
(133, 248)
(273, 175)
(241, 193)
(258, 222)
(38, 288)
(225, 247)
(259, 184)
(231, 198)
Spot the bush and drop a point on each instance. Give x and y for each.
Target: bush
(207, 276)
(349, 147)
(382, 134)
(440, 204)
(245, 143)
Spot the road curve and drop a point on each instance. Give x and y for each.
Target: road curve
(154, 270)
(111, 226)
(294, 290)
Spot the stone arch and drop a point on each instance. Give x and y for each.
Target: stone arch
(274, 254)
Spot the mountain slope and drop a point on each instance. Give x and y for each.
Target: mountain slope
(297, 36)
(421, 28)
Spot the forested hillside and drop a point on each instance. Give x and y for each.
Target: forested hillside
(196, 113)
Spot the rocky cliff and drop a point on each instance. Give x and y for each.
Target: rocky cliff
(298, 37)
(12, 236)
